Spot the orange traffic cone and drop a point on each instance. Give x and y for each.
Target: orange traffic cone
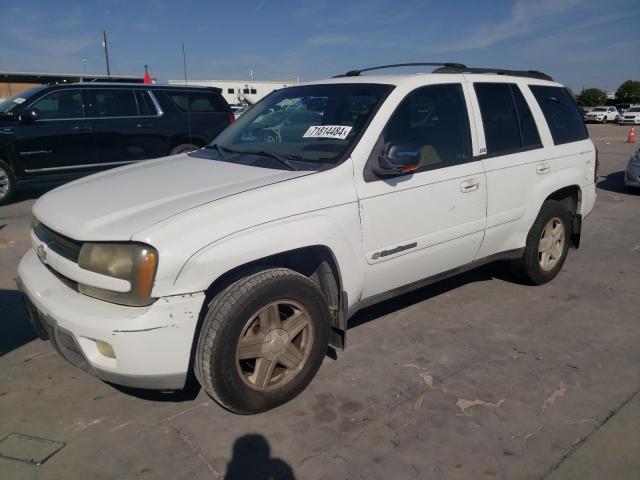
(632, 136)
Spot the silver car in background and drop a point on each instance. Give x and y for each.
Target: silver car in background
(632, 175)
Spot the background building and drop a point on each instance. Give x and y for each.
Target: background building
(240, 91)
(12, 83)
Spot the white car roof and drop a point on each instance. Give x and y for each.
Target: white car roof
(428, 78)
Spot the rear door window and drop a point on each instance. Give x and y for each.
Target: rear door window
(109, 103)
(63, 104)
(561, 113)
(145, 105)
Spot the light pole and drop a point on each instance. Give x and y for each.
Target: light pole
(84, 69)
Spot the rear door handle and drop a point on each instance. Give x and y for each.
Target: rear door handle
(82, 128)
(542, 168)
(144, 125)
(469, 185)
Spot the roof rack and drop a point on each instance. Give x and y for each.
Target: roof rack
(454, 68)
(355, 73)
(498, 71)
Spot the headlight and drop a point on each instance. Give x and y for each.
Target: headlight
(135, 263)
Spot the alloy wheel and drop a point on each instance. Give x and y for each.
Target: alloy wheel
(274, 345)
(4, 183)
(551, 245)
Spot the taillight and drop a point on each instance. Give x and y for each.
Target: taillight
(232, 117)
(597, 169)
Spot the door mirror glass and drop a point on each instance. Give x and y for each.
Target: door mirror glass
(398, 159)
(28, 116)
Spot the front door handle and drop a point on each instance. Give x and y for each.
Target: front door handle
(542, 168)
(469, 185)
(144, 125)
(82, 128)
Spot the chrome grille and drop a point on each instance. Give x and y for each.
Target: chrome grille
(63, 246)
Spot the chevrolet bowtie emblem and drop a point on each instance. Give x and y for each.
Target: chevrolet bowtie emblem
(42, 253)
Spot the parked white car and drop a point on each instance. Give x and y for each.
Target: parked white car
(244, 260)
(602, 115)
(632, 174)
(630, 116)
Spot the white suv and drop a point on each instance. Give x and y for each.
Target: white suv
(242, 261)
(602, 115)
(631, 116)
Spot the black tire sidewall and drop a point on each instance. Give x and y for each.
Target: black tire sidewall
(233, 392)
(12, 183)
(183, 148)
(551, 209)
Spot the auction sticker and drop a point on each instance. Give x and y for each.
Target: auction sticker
(19, 100)
(327, 131)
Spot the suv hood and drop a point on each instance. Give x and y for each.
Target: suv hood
(115, 204)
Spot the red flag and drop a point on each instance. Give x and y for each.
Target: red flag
(147, 77)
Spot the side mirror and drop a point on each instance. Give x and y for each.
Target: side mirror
(398, 159)
(28, 116)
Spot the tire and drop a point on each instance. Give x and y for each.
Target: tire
(532, 266)
(7, 183)
(236, 315)
(604, 120)
(183, 148)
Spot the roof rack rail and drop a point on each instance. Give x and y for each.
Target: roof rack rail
(355, 73)
(497, 71)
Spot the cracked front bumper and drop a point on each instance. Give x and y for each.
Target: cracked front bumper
(152, 345)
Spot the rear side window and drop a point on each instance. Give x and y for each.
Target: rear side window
(434, 118)
(562, 114)
(198, 102)
(145, 105)
(110, 103)
(508, 124)
(60, 104)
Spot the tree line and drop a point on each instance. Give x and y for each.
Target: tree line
(628, 92)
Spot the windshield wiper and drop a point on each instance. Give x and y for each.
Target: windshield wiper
(283, 159)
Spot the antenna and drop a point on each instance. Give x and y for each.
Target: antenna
(184, 64)
(106, 51)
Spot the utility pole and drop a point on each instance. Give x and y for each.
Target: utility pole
(106, 51)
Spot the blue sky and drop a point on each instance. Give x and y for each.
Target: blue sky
(579, 42)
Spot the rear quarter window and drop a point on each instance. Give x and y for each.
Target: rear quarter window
(561, 113)
(197, 102)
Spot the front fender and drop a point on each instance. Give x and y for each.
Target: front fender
(338, 229)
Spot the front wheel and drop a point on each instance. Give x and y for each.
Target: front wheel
(547, 245)
(262, 341)
(7, 183)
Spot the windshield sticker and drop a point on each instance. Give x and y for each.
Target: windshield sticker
(327, 131)
(19, 100)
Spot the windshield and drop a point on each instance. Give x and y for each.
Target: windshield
(634, 109)
(11, 105)
(308, 126)
(599, 109)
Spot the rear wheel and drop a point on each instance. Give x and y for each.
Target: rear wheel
(547, 244)
(183, 148)
(7, 183)
(262, 340)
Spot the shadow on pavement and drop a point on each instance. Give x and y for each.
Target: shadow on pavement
(29, 193)
(614, 182)
(188, 393)
(15, 329)
(251, 459)
(497, 270)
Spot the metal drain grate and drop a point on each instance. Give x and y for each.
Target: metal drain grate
(28, 449)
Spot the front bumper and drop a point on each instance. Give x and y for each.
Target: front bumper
(632, 176)
(629, 121)
(152, 344)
